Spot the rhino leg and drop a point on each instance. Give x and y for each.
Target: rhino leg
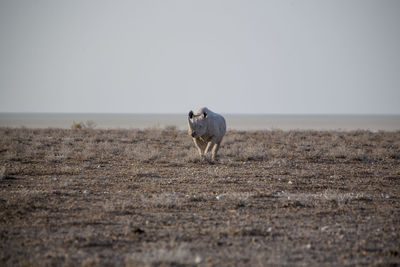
(212, 147)
(200, 145)
(215, 150)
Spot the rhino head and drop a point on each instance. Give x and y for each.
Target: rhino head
(197, 124)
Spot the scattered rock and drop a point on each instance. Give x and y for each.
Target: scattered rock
(138, 231)
(198, 259)
(219, 196)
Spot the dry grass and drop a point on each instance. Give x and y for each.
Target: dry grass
(142, 197)
(168, 145)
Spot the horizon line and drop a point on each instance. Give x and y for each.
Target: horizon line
(176, 113)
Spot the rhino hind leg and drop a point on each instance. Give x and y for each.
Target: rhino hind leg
(215, 150)
(210, 146)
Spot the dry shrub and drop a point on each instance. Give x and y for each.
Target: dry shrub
(165, 200)
(82, 125)
(244, 152)
(176, 255)
(3, 172)
(244, 147)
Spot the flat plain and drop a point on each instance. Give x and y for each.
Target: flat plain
(143, 198)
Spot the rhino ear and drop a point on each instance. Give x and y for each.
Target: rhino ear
(204, 114)
(190, 114)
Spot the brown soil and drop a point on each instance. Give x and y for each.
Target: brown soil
(132, 197)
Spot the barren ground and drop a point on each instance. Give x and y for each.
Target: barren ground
(142, 197)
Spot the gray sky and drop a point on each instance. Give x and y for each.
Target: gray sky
(339, 56)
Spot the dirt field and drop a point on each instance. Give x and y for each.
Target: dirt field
(137, 198)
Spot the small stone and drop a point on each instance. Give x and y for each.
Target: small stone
(198, 259)
(138, 231)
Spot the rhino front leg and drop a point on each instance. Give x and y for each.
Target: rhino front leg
(201, 146)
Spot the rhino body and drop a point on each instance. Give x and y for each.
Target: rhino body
(207, 129)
